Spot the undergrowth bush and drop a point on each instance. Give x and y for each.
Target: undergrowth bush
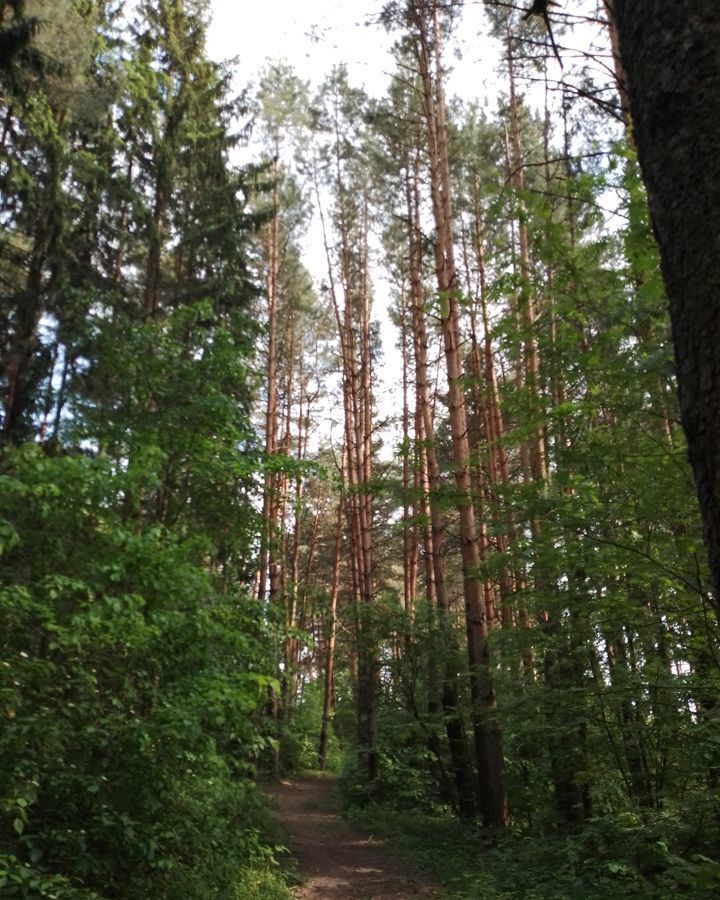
(614, 856)
(130, 692)
(301, 732)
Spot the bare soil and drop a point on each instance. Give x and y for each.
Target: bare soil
(335, 860)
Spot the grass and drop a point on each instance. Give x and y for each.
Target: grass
(587, 867)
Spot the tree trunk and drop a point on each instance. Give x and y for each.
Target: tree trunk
(330, 646)
(488, 748)
(669, 53)
(269, 515)
(354, 300)
(436, 586)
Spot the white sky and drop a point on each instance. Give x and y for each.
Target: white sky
(314, 35)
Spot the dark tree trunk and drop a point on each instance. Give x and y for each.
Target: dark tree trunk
(328, 693)
(671, 56)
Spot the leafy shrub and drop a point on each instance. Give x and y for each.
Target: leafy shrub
(301, 734)
(130, 692)
(405, 780)
(623, 857)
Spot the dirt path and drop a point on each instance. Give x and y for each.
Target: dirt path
(335, 860)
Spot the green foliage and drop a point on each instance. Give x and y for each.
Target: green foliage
(405, 778)
(301, 730)
(619, 855)
(130, 690)
(135, 669)
(604, 647)
(411, 777)
(615, 555)
(136, 675)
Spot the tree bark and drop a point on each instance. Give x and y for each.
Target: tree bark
(331, 635)
(269, 515)
(488, 746)
(436, 584)
(670, 53)
(350, 299)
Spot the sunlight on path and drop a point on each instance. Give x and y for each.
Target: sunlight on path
(336, 861)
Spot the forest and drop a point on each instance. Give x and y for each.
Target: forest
(365, 439)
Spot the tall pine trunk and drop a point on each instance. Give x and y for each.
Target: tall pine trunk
(435, 538)
(488, 746)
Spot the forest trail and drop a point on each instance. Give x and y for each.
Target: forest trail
(335, 860)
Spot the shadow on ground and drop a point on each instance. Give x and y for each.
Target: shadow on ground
(336, 861)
